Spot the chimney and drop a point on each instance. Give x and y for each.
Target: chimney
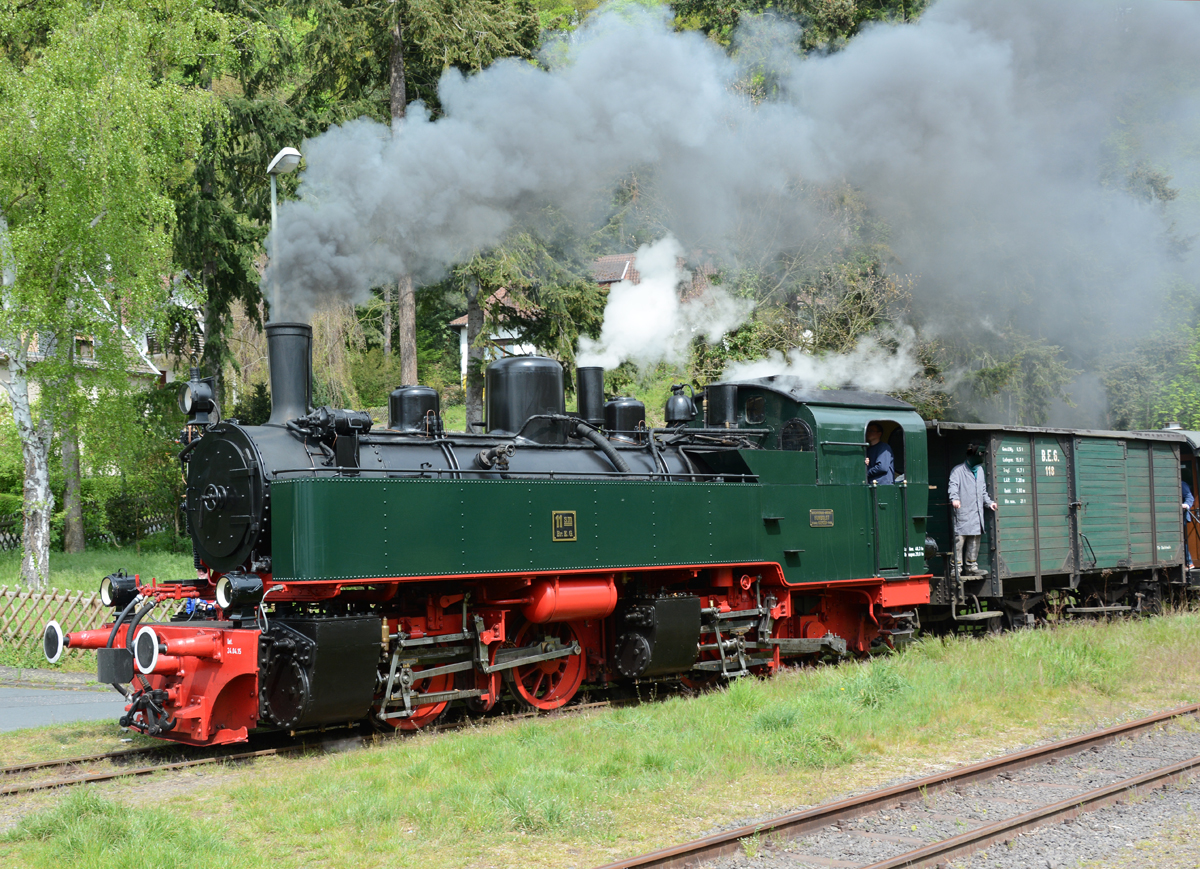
(289, 354)
(589, 389)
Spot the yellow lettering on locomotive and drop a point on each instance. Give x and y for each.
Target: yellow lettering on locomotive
(562, 523)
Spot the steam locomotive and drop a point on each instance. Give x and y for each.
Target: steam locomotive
(352, 573)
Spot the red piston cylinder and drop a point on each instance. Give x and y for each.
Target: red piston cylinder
(202, 646)
(96, 639)
(555, 600)
(166, 665)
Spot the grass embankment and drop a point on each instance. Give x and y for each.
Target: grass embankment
(578, 791)
(83, 572)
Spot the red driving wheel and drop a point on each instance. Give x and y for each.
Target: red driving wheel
(549, 684)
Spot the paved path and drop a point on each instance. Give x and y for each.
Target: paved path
(37, 707)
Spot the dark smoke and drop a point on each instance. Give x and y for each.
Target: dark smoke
(996, 140)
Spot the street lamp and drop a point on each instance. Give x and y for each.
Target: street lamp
(281, 164)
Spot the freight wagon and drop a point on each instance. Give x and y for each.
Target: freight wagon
(1089, 520)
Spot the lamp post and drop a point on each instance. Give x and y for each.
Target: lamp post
(281, 164)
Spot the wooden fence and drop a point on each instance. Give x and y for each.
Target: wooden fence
(11, 528)
(23, 614)
(10, 532)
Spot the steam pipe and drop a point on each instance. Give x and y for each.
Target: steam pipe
(600, 442)
(581, 429)
(289, 354)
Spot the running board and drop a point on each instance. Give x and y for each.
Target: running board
(1094, 610)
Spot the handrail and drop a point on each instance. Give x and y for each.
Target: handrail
(466, 474)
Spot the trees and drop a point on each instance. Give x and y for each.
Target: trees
(366, 58)
(94, 130)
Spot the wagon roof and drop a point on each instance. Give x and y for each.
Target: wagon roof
(1170, 436)
(798, 390)
(1193, 437)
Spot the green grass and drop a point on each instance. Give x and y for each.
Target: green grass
(583, 790)
(83, 571)
(86, 830)
(454, 417)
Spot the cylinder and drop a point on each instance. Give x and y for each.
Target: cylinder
(721, 405)
(199, 646)
(519, 387)
(625, 419)
(565, 600)
(289, 354)
(589, 384)
(409, 408)
(93, 639)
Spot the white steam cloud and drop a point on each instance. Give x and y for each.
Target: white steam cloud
(648, 322)
(871, 365)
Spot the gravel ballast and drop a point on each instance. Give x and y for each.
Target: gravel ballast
(1149, 821)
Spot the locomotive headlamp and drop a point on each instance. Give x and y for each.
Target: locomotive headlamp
(198, 400)
(238, 589)
(118, 589)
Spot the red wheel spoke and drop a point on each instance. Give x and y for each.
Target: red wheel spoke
(548, 684)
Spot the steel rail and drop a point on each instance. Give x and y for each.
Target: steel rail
(1072, 807)
(10, 790)
(799, 823)
(33, 766)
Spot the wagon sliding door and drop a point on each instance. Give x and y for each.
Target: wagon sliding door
(1033, 524)
(1051, 459)
(1102, 489)
(1168, 515)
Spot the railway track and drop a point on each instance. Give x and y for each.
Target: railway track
(209, 757)
(833, 817)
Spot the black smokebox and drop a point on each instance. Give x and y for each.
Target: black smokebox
(289, 354)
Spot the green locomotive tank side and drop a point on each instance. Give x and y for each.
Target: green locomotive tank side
(810, 511)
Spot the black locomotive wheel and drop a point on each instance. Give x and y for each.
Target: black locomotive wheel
(547, 685)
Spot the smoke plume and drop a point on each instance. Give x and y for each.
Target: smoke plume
(647, 322)
(997, 142)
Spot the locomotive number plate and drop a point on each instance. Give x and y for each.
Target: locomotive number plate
(820, 518)
(562, 525)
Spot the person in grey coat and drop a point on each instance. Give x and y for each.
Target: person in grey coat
(969, 497)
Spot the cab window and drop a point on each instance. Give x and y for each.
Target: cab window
(796, 435)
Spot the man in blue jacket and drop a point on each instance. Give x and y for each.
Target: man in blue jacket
(969, 496)
(881, 466)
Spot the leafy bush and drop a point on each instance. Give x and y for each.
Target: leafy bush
(255, 408)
